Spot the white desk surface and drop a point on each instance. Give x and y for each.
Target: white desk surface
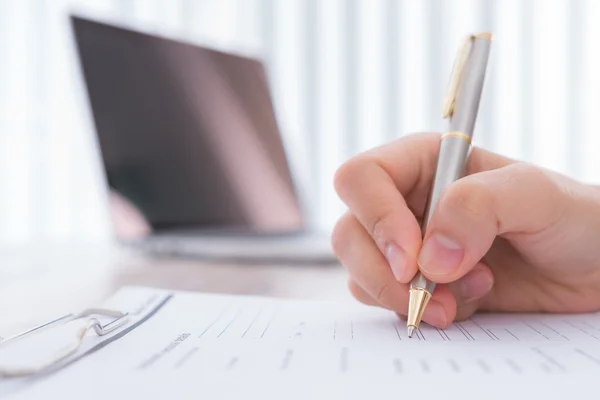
(39, 282)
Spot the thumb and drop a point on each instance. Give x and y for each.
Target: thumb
(475, 209)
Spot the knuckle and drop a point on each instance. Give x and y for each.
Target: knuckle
(376, 227)
(340, 237)
(468, 196)
(529, 175)
(354, 289)
(523, 174)
(360, 294)
(383, 294)
(465, 311)
(556, 196)
(346, 175)
(524, 169)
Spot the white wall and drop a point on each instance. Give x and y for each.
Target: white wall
(347, 75)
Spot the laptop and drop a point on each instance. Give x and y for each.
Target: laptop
(192, 153)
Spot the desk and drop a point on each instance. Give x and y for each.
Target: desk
(38, 282)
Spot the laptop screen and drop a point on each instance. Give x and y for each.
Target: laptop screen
(188, 135)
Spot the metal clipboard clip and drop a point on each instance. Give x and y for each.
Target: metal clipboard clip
(56, 340)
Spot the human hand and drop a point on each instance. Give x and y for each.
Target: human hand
(508, 236)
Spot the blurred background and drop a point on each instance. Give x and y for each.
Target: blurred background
(347, 75)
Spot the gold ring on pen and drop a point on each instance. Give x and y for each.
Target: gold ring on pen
(457, 134)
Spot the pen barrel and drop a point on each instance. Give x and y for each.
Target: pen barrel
(454, 151)
(456, 143)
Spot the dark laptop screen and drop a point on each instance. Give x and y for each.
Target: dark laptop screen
(188, 135)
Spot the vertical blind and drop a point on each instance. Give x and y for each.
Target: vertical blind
(346, 75)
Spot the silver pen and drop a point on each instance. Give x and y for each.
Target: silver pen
(460, 108)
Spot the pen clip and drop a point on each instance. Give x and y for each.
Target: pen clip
(457, 69)
(457, 72)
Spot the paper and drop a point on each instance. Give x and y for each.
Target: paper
(217, 346)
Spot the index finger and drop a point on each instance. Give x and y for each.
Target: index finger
(367, 187)
(386, 187)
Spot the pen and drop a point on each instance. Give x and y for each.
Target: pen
(460, 108)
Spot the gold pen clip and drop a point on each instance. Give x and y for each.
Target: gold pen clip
(457, 70)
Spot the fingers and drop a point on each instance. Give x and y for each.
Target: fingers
(471, 289)
(518, 198)
(360, 294)
(365, 263)
(476, 284)
(411, 162)
(380, 240)
(369, 269)
(467, 292)
(386, 189)
(375, 201)
(440, 312)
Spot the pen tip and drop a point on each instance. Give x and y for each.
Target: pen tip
(411, 330)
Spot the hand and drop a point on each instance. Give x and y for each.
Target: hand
(508, 236)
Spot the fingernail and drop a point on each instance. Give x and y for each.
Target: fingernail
(397, 259)
(440, 255)
(475, 285)
(435, 314)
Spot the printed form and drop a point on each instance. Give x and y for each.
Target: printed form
(189, 345)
